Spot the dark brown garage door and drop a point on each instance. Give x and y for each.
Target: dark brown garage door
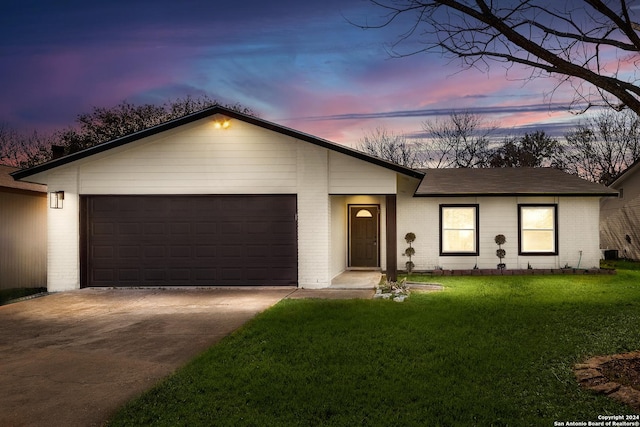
(189, 240)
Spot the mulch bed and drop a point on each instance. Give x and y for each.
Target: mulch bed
(517, 271)
(623, 371)
(617, 376)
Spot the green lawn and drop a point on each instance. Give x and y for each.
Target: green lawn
(486, 351)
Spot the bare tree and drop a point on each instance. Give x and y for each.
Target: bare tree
(585, 43)
(96, 127)
(104, 124)
(393, 147)
(21, 150)
(461, 140)
(602, 147)
(534, 150)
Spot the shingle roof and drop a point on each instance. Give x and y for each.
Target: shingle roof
(506, 182)
(8, 182)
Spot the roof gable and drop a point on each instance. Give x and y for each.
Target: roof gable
(626, 174)
(209, 112)
(506, 182)
(7, 182)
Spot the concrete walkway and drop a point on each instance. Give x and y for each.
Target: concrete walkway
(332, 294)
(356, 279)
(73, 358)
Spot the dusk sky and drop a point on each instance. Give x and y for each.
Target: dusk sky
(297, 63)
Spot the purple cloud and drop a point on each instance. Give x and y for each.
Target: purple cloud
(297, 63)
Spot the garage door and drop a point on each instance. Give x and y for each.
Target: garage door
(189, 240)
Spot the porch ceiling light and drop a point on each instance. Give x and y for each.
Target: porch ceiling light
(55, 199)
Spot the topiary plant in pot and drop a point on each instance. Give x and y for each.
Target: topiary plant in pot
(410, 251)
(501, 253)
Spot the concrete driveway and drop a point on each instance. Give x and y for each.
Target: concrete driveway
(73, 358)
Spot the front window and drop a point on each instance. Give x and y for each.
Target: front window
(538, 229)
(459, 229)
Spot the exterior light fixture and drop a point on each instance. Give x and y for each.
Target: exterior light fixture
(222, 123)
(55, 199)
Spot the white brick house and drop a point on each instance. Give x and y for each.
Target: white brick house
(192, 203)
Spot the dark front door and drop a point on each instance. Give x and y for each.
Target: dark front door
(363, 245)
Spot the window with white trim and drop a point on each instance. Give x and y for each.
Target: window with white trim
(538, 229)
(459, 229)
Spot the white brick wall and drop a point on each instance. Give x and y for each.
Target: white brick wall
(418, 216)
(498, 215)
(577, 228)
(579, 231)
(338, 235)
(313, 217)
(63, 262)
(348, 175)
(196, 159)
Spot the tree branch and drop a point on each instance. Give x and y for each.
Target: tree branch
(533, 33)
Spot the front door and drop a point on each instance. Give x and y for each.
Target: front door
(363, 240)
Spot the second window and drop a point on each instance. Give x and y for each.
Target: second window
(538, 231)
(459, 229)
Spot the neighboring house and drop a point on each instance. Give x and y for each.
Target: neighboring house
(620, 217)
(23, 232)
(222, 198)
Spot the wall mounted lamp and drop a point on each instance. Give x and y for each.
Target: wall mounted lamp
(222, 123)
(55, 199)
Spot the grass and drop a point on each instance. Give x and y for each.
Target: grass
(621, 264)
(487, 351)
(8, 295)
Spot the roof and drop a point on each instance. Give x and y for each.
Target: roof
(7, 181)
(204, 114)
(506, 182)
(625, 174)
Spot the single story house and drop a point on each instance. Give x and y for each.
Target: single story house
(620, 217)
(23, 232)
(223, 198)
